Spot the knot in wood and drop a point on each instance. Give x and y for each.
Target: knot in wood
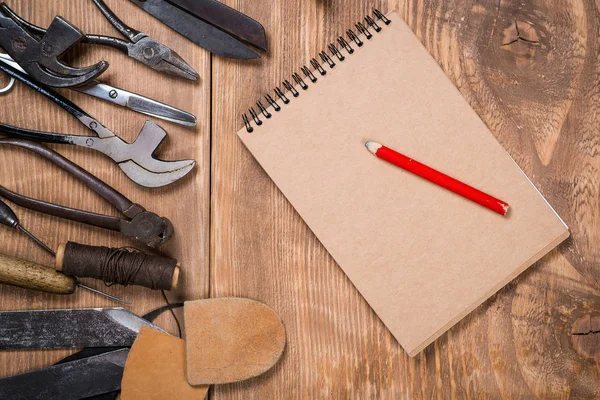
(522, 40)
(585, 336)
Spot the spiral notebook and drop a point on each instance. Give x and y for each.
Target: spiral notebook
(421, 256)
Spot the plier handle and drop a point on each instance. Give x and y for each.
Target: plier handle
(145, 226)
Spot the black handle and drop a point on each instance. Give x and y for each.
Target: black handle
(100, 187)
(62, 101)
(8, 216)
(115, 21)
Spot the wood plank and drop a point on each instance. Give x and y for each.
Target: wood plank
(186, 203)
(529, 71)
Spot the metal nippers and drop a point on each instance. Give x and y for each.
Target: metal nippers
(147, 227)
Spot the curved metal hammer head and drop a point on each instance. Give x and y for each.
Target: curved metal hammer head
(40, 58)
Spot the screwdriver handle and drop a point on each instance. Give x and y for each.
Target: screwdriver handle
(8, 216)
(29, 275)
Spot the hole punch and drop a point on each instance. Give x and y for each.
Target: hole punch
(318, 66)
(281, 95)
(363, 30)
(309, 74)
(327, 59)
(354, 38)
(272, 102)
(345, 45)
(334, 50)
(299, 81)
(291, 88)
(382, 17)
(254, 115)
(263, 110)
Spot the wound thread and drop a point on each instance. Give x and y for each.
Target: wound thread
(119, 266)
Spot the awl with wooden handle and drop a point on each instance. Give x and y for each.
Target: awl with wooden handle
(30, 275)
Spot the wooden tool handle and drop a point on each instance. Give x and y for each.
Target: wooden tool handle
(29, 275)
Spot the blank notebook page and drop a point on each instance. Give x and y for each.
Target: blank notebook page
(422, 257)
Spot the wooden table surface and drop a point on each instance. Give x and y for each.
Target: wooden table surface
(531, 71)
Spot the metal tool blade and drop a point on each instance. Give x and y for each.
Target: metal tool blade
(59, 329)
(138, 103)
(227, 19)
(202, 33)
(124, 98)
(73, 380)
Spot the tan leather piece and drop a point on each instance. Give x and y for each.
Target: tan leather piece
(231, 339)
(155, 369)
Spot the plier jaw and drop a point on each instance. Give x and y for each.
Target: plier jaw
(148, 228)
(160, 58)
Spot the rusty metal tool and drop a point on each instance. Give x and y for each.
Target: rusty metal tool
(91, 373)
(137, 45)
(85, 378)
(135, 159)
(69, 328)
(210, 24)
(147, 227)
(118, 96)
(16, 271)
(39, 55)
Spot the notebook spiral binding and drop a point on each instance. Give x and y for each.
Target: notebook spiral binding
(317, 69)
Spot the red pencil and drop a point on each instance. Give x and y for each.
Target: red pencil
(437, 177)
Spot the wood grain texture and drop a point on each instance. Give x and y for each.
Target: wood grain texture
(185, 203)
(530, 70)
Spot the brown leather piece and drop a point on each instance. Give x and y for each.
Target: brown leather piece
(231, 339)
(155, 369)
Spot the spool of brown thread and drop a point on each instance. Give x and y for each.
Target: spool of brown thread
(118, 266)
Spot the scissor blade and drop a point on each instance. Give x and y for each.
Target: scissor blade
(227, 19)
(122, 97)
(62, 329)
(84, 378)
(138, 103)
(196, 30)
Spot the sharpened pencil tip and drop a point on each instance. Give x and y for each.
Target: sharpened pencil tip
(372, 146)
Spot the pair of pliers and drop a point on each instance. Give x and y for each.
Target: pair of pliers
(137, 45)
(145, 226)
(135, 159)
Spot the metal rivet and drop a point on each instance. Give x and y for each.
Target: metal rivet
(90, 142)
(113, 94)
(93, 124)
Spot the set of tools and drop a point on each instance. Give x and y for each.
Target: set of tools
(33, 56)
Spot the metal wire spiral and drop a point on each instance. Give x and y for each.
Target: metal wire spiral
(364, 30)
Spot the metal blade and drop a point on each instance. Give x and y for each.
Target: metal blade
(227, 19)
(73, 380)
(124, 98)
(59, 329)
(196, 30)
(138, 103)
